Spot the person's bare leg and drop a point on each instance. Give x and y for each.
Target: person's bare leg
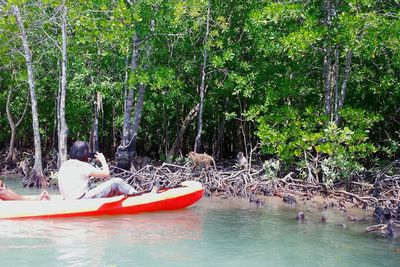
(8, 194)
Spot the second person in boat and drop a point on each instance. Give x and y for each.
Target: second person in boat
(75, 173)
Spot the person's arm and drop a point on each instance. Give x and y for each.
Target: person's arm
(104, 172)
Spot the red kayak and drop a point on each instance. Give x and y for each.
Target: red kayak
(166, 199)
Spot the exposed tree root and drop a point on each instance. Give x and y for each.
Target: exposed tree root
(252, 183)
(383, 194)
(35, 179)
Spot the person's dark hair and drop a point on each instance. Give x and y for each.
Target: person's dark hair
(79, 151)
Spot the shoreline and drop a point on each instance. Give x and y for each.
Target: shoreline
(249, 184)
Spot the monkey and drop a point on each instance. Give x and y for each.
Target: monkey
(199, 158)
(242, 161)
(24, 165)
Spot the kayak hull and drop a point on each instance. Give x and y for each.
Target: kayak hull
(167, 199)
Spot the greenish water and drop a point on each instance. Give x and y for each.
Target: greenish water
(211, 233)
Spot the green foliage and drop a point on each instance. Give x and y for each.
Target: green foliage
(287, 133)
(291, 135)
(339, 168)
(266, 60)
(271, 168)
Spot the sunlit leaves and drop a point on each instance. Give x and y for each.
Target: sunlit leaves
(179, 11)
(289, 133)
(297, 43)
(277, 12)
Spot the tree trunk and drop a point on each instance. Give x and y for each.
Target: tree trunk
(136, 119)
(178, 140)
(95, 129)
(140, 100)
(238, 141)
(36, 177)
(13, 126)
(327, 80)
(335, 84)
(343, 89)
(198, 143)
(122, 155)
(126, 130)
(56, 129)
(165, 130)
(129, 97)
(63, 130)
(113, 132)
(327, 59)
(242, 129)
(221, 129)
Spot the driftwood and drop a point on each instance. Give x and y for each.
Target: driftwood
(391, 229)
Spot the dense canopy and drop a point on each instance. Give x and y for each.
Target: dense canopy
(314, 83)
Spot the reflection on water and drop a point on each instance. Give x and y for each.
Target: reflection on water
(92, 241)
(211, 233)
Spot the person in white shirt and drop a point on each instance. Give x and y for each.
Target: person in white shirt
(75, 173)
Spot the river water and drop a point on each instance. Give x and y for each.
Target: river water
(212, 232)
